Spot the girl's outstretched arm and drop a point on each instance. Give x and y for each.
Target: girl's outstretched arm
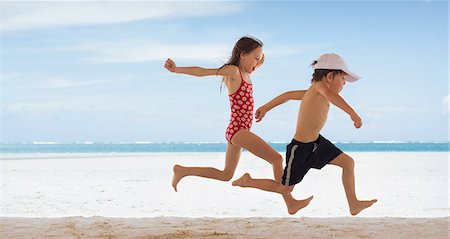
(290, 95)
(227, 70)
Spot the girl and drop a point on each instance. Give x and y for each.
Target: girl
(246, 57)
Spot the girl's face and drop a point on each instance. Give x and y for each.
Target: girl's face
(249, 61)
(337, 82)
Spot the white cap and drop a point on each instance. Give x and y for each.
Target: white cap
(335, 62)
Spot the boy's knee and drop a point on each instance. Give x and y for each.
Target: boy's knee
(349, 162)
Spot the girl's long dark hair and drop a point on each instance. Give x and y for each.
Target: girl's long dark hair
(244, 45)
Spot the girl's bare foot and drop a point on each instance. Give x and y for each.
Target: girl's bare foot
(357, 207)
(294, 207)
(242, 181)
(176, 176)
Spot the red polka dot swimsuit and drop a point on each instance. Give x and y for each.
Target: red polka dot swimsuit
(241, 103)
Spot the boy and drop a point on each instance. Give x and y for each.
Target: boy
(309, 149)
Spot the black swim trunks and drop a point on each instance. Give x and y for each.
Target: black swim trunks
(300, 157)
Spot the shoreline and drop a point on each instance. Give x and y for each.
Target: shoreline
(209, 227)
(70, 155)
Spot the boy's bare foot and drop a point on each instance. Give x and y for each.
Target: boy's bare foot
(361, 205)
(176, 176)
(294, 207)
(242, 181)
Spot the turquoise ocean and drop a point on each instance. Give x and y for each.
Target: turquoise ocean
(199, 147)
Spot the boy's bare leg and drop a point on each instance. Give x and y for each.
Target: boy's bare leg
(348, 180)
(269, 185)
(231, 160)
(294, 205)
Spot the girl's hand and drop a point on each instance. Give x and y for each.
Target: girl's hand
(260, 113)
(170, 66)
(357, 121)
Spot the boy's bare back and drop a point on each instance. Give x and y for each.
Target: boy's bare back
(312, 114)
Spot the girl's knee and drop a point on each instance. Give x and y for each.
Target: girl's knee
(286, 189)
(277, 159)
(226, 175)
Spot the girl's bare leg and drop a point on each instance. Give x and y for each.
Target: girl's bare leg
(294, 205)
(260, 148)
(257, 146)
(231, 160)
(269, 185)
(348, 180)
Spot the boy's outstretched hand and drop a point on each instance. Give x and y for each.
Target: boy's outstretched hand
(170, 65)
(260, 112)
(357, 121)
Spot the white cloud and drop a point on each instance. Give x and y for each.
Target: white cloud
(14, 80)
(139, 51)
(32, 15)
(57, 83)
(148, 50)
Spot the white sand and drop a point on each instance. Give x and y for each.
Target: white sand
(406, 185)
(129, 196)
(169, 227)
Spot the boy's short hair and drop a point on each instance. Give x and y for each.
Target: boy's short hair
(319, 74)
(331, 63)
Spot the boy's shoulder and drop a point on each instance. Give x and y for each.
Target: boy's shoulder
(315, 90)
(321, 88)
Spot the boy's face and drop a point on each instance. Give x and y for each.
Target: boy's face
(337, 82)
(251, 59)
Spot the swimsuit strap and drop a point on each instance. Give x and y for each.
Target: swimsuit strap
(240, 73)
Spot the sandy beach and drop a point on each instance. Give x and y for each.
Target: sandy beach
(411, 185)
(171, 227)
(130, 196)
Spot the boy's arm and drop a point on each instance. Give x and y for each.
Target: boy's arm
(338, 101)
(227, 70)
(291, 95)
(283, 98)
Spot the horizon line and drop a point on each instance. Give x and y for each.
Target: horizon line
(139, 142)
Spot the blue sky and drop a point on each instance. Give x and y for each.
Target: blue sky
(93, 71)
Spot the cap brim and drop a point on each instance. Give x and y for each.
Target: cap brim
(351, 77)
